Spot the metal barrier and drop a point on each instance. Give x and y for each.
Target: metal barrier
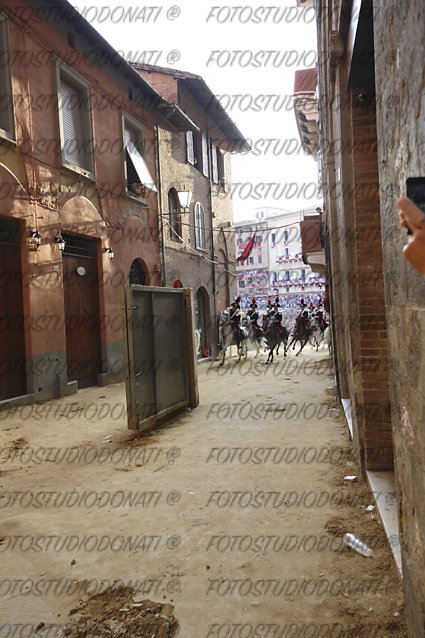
(159, 353)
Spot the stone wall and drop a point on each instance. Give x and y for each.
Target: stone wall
(400, 86)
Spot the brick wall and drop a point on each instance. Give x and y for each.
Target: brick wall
(372, 346)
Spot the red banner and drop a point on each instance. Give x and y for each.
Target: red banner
(247, 250)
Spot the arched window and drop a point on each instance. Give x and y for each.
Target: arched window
(174, 215)
(137, 273)
(199, 227)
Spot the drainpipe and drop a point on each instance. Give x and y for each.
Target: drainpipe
(214, 332)
(160, 221)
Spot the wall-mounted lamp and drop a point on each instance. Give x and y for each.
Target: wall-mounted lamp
(110, 252)
(60, 242)
(184, 199)
(36, 237)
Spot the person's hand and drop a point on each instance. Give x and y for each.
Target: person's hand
(413, 218)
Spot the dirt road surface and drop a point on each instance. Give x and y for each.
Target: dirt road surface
(226, 522)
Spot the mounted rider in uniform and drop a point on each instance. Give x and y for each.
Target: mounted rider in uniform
(253, 319)
(276, 316)
(306, 323)
(266, 317)
(235, 320)
(320, 319)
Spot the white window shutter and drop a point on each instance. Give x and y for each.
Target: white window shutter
(205, 154)
(139, 164)
(225, 185)
(214, 163)
(72, 127)
(190, 153)
(199, 227)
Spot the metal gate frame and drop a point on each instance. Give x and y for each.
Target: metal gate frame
(153, 378)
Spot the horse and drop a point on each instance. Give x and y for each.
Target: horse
(227, 337)
(254, 339)
(328, 339)
(274, 338)
(317, 336)
(197, 340)
(299, 334)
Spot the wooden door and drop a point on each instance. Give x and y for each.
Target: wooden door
(82, 328)
(12, 337)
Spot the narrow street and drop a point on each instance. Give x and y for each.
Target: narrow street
(232, 513)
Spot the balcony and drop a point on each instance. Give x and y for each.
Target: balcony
(312, 245)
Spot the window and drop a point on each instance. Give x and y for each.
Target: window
(199, 227)
(75, 123)
(287, 275)
(190, 148)
(197, 151)
(7, 127)
(137, 175)
(260, 260)
(250, 260)
(285, 235)
(241, 284)
(286, 252)
(214, 163)
(174, 215)
(222, 170)
(204, 142)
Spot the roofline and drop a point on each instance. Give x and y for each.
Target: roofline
(213, 106)
(116, 61)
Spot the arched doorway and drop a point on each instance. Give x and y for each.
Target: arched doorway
(137, 274)
(201, 315)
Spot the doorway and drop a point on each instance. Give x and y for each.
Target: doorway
(81, 298)
(13, 380)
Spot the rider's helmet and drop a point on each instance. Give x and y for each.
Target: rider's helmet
(253, 303)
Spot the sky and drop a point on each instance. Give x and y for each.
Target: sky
(247, 53)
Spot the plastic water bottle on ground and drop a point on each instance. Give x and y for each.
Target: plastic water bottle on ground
(355, 543)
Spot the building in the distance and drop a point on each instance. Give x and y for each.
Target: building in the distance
(276, 265)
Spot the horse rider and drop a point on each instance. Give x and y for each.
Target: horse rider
(266, 317)
(276, 316)
(306, 323)
(322, 323)
(253, 319)
(235, 320)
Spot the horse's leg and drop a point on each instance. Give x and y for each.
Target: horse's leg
(302, 345)
(224, 355)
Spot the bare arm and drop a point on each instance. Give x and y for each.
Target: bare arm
(413, 218)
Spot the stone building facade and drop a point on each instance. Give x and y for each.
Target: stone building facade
(78, 204)
(372, 134)
(197, 242)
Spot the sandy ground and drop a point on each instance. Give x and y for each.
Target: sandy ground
(226, 522)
